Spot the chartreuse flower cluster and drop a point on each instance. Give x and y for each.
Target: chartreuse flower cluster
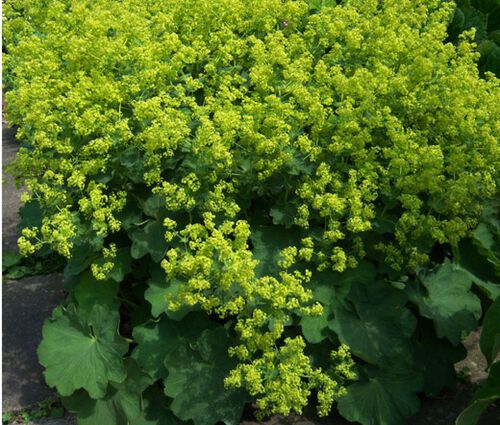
(218, 271)
(244, 151)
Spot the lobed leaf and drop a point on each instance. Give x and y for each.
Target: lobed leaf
(82, 350)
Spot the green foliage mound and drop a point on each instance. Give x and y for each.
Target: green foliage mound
(264, 201)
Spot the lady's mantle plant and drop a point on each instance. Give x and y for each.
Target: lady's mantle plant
(249, 192)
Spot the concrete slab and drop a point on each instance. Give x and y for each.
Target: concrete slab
(26, 303)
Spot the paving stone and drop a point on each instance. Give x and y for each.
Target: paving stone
(26, 303)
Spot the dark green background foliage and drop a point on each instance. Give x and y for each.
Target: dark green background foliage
(484, 16)
(210, 198)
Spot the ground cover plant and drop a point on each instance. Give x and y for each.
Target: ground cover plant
(269, 201)
(14, 266)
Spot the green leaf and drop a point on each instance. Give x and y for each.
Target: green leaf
(130, 216)
(154, 206)
(157, 339)
(383, 397)
(491, 290)
(156, 410)
(89, 292)
(491, 332)
(82, 350)
(474, 18)
(480, 270)
(18, 272)
(493, 27)
(448, 301)
(483, 236)
(329, 287)
(435, 359)
(10, 259)
(121, 404)
(314, 328)
(374, 322)
(317, 5)
(485, 6)
(458, 21)
(81, 259)
(487, 394)
(154, 341)
(491, 207)
(57, 412)
(132, 161)
(326, 294)
(475, 262)
(149, 240)
(158, 292)
(491, 388)
(196, 381)
(283, 215)
(471, 415)
(490, 57)
(267, 242)
(30, 214)
(121, 264)
(7, 417)
(363, 274)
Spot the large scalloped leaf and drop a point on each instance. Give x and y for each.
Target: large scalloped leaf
(491, 290)
(315, 328)
(283, 214)
(364, 273)
(383, 397)
(448, 301)
(196, 381)
(121, 404)
(89, 292)
(82, 350)
(158, 291)
(149, 240)
(267, 242)
(156, 409)
(131, 163)
(157, 339)
(30, 214)
(476, 263)
(329, 287)
(435, 359)
(374, 322)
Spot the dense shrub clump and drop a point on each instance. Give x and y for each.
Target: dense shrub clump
(250, 190)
